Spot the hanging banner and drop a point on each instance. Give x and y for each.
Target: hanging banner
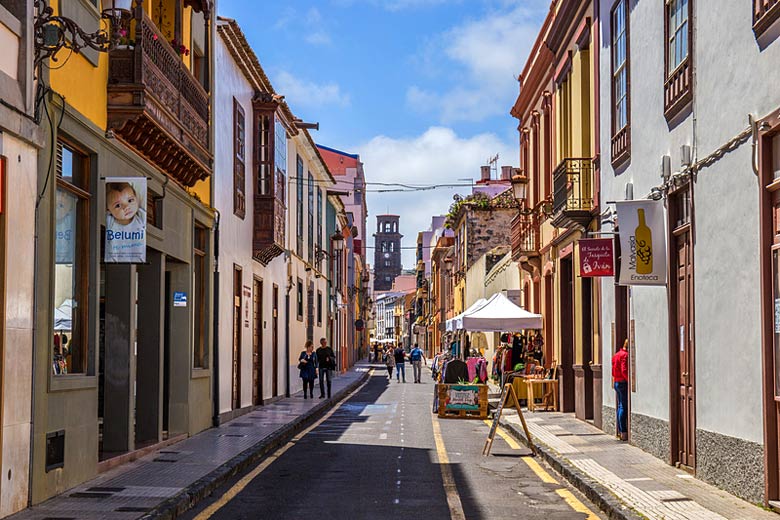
(642, 242)
(597, 257)
(125, 220)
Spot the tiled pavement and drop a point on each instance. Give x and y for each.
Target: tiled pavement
(132, 490)
(639, 483)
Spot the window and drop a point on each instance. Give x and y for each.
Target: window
(280, 147)
(311, 218)
(319, 227)
(200, 237)
(71, 263)
(678, 90)
(319, 308)
(620, 82)
(265, 166)
(299, 301)
(239, 160)
(299, 205)
(678, 33)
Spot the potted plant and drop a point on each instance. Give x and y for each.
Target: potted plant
(180, 48)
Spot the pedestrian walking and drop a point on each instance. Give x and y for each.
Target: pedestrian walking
(307, 364)
(417, 358)
(326, 361)
(620, 382)
(389, 363)
(400, 364)
(376, 353)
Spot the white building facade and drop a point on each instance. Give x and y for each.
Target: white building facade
(702, 347)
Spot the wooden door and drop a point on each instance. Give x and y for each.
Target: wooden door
(686, 420)
(567, 334)
(257, 342)
(275, 340)
(236, 387)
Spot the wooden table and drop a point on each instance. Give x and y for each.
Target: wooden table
(532, 383)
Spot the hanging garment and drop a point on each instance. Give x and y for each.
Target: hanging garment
(456, 371)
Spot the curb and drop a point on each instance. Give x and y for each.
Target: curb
(187, 498)
(596, 492)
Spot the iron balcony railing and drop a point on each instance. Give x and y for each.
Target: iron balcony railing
(573, 185)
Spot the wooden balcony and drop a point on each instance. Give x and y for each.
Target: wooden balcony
(678, 90)
(765, 14)
(269, 221)
(525, 237)
(573, 200)
(157, 107)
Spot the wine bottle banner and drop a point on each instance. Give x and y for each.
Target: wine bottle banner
(642, 232)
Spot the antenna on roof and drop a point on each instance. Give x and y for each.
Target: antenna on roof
(493, 163)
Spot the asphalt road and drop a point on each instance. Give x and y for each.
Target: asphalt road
(376, 457)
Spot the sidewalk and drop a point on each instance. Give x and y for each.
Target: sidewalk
(171, 480)
(623, 480)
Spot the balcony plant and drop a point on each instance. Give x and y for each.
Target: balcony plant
(180, 48)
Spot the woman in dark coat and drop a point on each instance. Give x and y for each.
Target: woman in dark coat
(307, 363)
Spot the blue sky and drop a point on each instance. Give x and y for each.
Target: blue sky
(421, 89)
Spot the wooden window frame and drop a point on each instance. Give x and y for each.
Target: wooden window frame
(299, 303)
(319, 308)
(199, 291)
(80, 316)
(621, 136)
(239, 160)
(678, 82)
(320, 217)
(299, 205)
(310, 222)
(765, 14)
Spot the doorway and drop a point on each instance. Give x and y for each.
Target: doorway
(236, 368)
(275, 341)
(681, 335)
(584, 375)
(567, 334)
(257, 342)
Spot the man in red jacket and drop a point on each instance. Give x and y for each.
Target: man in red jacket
(620, 382)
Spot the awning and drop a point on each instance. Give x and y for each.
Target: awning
(456, 323)
(499, 314)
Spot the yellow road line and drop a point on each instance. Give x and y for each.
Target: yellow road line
(575, 504)
(450, 489)
(249, 477)
(545, 476)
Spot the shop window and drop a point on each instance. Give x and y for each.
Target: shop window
(71, 262)
(239, 160)
(299, 299)
(55, 450)
(319, 308)
(200, 242)
(154, 211)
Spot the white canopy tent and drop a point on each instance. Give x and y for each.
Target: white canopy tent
(456, 323)
(499, 314)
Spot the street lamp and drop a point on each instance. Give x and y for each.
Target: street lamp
(520, 187)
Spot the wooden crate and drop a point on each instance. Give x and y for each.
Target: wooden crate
(481, 412)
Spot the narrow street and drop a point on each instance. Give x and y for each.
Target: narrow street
(379, 455)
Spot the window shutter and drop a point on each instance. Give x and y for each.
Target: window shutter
(239, 159)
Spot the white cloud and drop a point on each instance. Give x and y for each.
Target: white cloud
(299, 92)
(438, 156)
(311, 23)
(486, 54)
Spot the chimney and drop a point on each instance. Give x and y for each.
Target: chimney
(506, 173)
(485, 170)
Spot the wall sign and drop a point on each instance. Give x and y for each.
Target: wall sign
(179, 299)
(125, 220)
(247, 291)
(642, 242)
(597, 257)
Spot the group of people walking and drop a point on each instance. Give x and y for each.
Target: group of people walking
(396, 358)
(320, 363)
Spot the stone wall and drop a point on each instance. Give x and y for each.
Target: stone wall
(733, 464)
(487, 229)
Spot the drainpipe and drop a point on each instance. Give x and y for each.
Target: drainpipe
(287, 341)
(215, 355)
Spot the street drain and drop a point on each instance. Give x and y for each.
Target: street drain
(170, 452)
(107, 489)
(678, 499)
(84, 494)
(58, 518)
(131, 509)
(159, 459)
(231, 435)
(241, 424)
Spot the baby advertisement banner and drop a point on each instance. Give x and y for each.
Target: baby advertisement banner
(642, 242)
(125, 220)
